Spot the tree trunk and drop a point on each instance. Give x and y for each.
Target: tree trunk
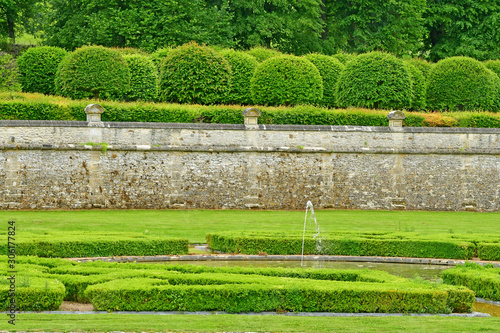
(10, 26)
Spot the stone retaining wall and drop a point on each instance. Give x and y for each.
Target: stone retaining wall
(71, 165)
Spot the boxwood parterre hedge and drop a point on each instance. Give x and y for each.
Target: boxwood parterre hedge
(449, 246)
(483, 280)
(136, 287)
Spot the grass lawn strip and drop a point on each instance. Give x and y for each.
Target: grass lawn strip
(231, 323)
(174, 223)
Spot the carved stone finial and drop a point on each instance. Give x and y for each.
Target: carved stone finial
(251, 116)
(396, 118)
(94, 112)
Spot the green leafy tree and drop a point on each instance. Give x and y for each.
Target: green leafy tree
(12, 15)
(361, 26)
(463, 28)
(292, 26)
(135, 23)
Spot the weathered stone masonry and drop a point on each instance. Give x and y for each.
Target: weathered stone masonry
(57, 164)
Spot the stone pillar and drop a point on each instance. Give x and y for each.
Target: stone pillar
(251, 116)
(396, 119)
(94, 112)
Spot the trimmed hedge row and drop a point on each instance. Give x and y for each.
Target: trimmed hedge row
(21, 106)
(67, 245)
(31, 293)
(142, 294)
(484, 281)
(357, 244)
(135, 287)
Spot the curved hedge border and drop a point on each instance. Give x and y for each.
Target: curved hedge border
(136, 287)
(358, 244)
(484, 281)
(23, 106)
(67, 245)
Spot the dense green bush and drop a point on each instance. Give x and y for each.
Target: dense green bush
(286, 80)
(23, 106)
(493, 65)
(159, 55)
(32, 293)
(93, 72)
(194, 74)
(262, 53)
(129, 51)
(329, 69)
(344, 58)
(143, 78)
(9, 74)
(461, 83)
(418, 87)
(484, 281)
(424, 66)
(375, 80)
(97, 245)
(242, 67)
(38, 68)
(389, 245)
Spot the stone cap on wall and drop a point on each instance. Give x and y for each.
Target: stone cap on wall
(262, 127)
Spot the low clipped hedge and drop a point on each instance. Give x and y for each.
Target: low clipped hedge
(350, 244)
(276, 294)
(31, 293)
(24, 106)
(136, 287)
(484, 281)
(69, 245)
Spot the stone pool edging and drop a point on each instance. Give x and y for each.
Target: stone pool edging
(238, 257)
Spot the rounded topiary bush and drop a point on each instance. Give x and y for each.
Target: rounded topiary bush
(93, 72)
(344, 58)
(375, 80)
(143, 78)
(38, 68)
(263, 53)
(461, 83)
(242, 67)
(286, 80)
(193, 74)
(9, 75)
(329, 69)
(418, 86)
(423, 65)
(493, 65)
(159, 55)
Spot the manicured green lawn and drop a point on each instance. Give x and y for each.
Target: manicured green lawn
(195, 224)
(236, 323)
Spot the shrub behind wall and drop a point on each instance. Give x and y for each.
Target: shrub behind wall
(38, 68)
(194, 74)
(375, 80)
(329, 69)
(286, 80)
(460, 84)
(243, 67)
(93, 72)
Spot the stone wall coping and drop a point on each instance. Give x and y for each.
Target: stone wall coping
(239, 149)
(262, 127)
